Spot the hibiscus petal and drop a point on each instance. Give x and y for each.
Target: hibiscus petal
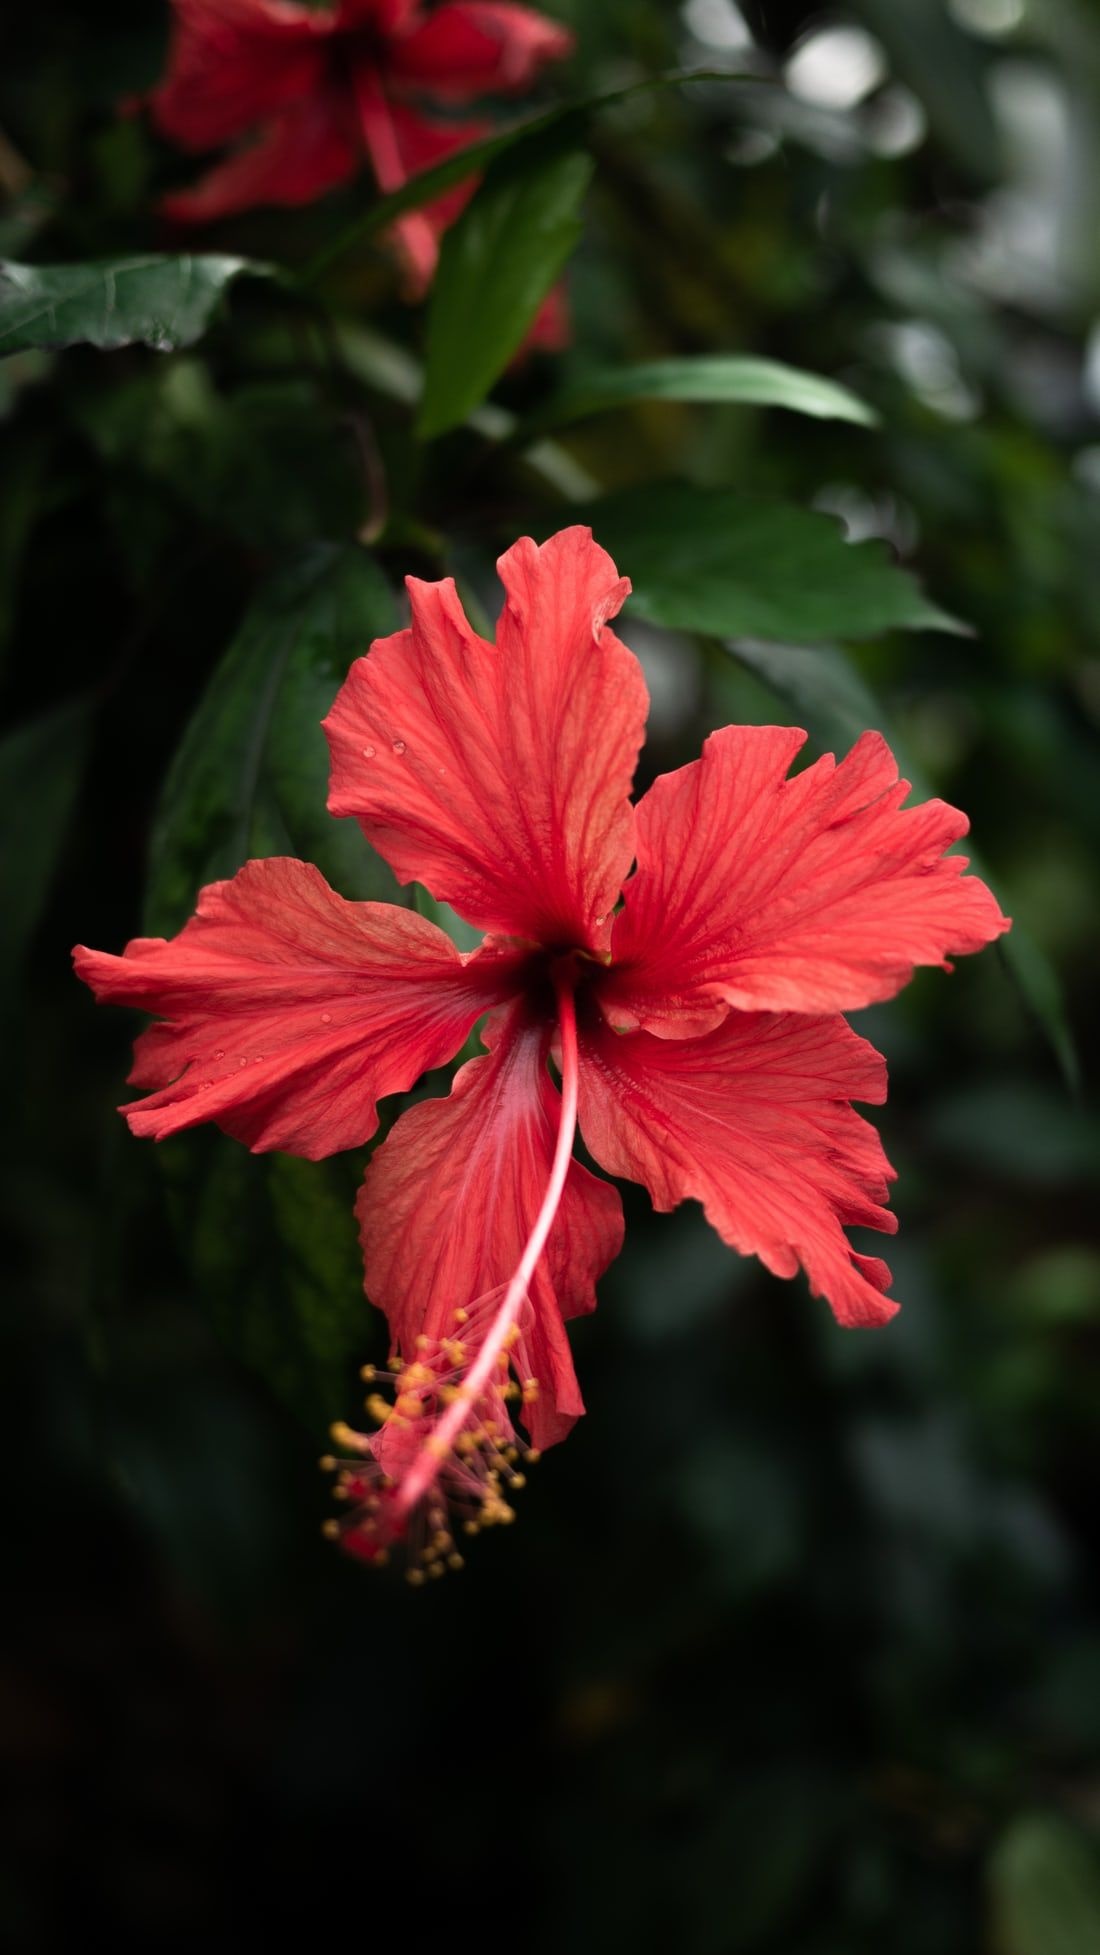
(302, 153)
(288, 1011)
(473, 47)
(815, 894)
(449, 1201)
(753, 1120)
(232, 63)
(499, 776)
(385, 16)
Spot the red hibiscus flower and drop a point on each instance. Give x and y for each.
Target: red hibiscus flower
(317, 93)
(693, 1027)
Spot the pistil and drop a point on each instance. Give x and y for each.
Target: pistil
(448, 1432)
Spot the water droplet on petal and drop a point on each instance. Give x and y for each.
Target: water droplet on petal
(399, 746)
(326, 1018)
(369, 753)
(242, 1062)
(219, 1054)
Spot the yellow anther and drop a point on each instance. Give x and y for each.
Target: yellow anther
(462, 1316)
(330, 1530)
(532, 1455)
(530, 1390)
(326, 1463)
(378, 1407)
(518, 1480)
(455, 1561)
(436, 1569)
(344, 1436)
(414, 1577)
(511, 1337)
(368, 1373)
(394, 1364)
(454, 1351)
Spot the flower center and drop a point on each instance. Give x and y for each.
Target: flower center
(448, 1438)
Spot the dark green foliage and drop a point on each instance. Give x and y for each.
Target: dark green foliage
(272, 1245)
(794, 1648)
(251, 774)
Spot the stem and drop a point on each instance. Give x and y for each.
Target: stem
(435, 1450)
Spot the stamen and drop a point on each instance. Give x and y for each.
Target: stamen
(448, 1436)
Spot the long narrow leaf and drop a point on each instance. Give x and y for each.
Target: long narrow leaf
(710, 379)
(497, 265)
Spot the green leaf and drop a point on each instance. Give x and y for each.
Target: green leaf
(251, 775)
(155, 301)
(272, 1245)
(496, 267)
(836, 705)
(712, 379)
(714, 561)
(41, 768)
(1044, 1881)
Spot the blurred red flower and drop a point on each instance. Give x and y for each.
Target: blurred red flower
(316, 92)
(695, 1029)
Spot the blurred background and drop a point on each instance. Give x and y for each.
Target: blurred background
(795, 1646)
